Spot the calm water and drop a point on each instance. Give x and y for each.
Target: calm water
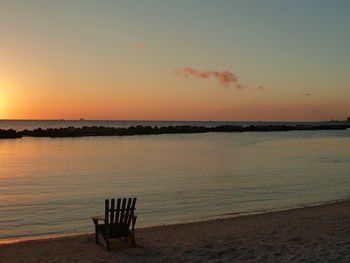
(54, 186)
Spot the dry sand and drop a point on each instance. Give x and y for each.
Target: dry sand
(313, 234)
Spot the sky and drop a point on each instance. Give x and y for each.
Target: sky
(175, 60)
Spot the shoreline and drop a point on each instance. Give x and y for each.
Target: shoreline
(316, 233)
(204, 219)
(88, 131)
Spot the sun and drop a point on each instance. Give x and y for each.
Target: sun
(1, 107)
(8, 97)
(2, 102)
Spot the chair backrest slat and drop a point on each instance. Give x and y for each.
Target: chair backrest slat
(122, 211)
(106, 210)
(132, 209)
(111, 215)
(127, 212)
(117, 211)
(112, 211)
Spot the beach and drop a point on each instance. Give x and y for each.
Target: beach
(311, 234)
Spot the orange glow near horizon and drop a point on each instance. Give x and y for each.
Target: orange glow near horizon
(124, 100)
(153, 101)
(65, 96)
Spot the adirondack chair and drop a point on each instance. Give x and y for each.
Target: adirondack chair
(119, 216)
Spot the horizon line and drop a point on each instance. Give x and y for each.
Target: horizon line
(154, 120)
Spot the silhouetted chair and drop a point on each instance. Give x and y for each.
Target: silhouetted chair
(119, 216)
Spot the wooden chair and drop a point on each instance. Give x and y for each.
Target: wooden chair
(118, 218)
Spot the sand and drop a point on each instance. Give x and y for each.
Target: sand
(312, 234)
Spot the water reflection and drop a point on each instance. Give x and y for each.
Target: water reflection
(57, 184)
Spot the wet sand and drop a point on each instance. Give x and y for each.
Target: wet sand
(312, 234)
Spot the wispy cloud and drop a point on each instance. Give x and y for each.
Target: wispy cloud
(224, 78)
(307, 94)
(240, 86)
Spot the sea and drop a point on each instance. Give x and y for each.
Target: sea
(53, 186)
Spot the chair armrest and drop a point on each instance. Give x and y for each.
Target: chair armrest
(98, 218)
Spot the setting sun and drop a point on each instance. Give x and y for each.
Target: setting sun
(4, 98)
(2, 103)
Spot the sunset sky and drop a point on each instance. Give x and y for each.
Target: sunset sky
(175, 60)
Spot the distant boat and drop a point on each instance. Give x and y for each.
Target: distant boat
(82, 119)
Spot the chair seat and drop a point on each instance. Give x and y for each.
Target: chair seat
(115, 230)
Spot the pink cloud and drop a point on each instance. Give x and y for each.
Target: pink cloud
(225, 78)
(191, 72)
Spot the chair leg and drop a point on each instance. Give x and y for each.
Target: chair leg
(133, 243)
(96, 235)
(107, 244)
(132, 232)
(107, 240)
